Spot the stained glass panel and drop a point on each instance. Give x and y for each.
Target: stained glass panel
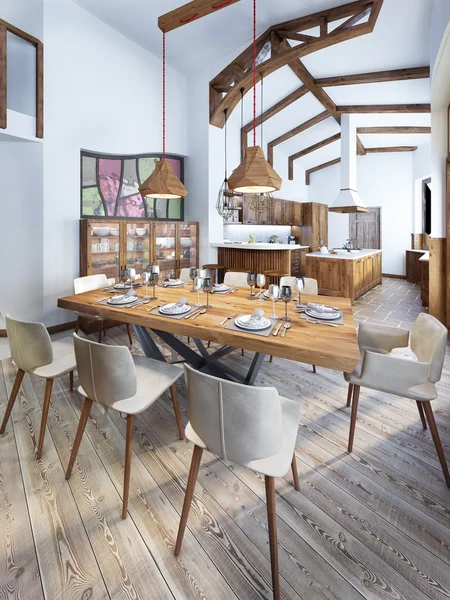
(109, 175)
(174, 209)
(92, 203)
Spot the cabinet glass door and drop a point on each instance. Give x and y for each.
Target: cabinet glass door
(187, 245)
(166, 247)
(104, 248)
(137, 245)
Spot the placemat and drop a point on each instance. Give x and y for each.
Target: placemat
(106, 303)
(264, 332)
(174, 287)
(155, 311)
(339, 321)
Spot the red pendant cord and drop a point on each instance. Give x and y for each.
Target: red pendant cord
(164, 97)
(254, 72)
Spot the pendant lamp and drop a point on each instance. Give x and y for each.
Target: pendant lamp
(226, 202)
(254, 175)
(163, 183)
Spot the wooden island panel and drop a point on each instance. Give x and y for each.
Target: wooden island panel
(255, 261)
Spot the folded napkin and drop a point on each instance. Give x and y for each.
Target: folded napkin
(320, 308)
(182, 302)
(131, 293)
(256, 316)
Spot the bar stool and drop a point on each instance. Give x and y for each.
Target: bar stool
(219, 269)
(274, 276)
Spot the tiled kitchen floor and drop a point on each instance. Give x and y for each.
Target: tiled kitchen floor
(396, 302)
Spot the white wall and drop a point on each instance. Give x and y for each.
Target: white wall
(21, 229)
(102, 93)
(384, 180)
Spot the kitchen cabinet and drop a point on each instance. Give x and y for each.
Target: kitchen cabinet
(282, 213)
(413, 268)
(249, 216)
(298, 262)
(297, 213)
(314, 229)
(288, 211)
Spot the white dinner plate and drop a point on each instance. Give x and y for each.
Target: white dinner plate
(324, 316)
(121, 300)
(243, 323)
(174, 283)
(173, 309)
(220, 289)
(122, 286)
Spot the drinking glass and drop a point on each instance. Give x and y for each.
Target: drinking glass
(132, 276)
(207, 287)
(274, 294)
(154, 277)
(193, 274)
(198, 284)
(146, 279)
(260, 282)
(299, 284)
(286, 296)
(154, 269)
(251, 281)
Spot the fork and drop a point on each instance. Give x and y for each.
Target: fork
(321, 323)
(156, 306)
(226, 319)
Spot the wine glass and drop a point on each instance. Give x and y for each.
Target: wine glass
(154, 277)
(299, 284)
(193, 274)
(207, 287)
(132, 276)
(154, 269)
(198, 285)
(286, 296)
(251, 281)
(146, 279)
(260, 282)
(274, 294)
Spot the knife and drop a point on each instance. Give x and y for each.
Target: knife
(280, 324)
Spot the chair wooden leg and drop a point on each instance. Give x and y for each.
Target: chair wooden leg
(209, 344)
(77, 325)
(271, 359)
(195, 465)
(314, 369)
(176, 408)
(12, 399)
(71, 380)
(350, 394)
(80, 430)
(128, 455)
(356, 391)
(295, 473)
(422, 414)
(273, 542)
(242, 352)
(47, 398)
(100, 331)
(436, 439)
(130, 337)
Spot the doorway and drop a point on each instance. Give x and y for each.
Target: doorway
(365, 229)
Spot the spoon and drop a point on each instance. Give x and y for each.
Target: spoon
(286, 327)
(202, 312)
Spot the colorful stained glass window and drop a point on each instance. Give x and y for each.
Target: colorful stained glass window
(110, 187)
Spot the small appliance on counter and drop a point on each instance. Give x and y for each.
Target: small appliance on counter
(291, 239)
(273, 239)
(251, 238)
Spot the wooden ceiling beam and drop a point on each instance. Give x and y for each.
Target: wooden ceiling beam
(232, 98)
(297, 37)
(313, 148)
(385, 108)
(192, 11)
(309, 172)
(355, 19)
(293, 132)
(377, 77)
(393, 130)
(391, 149)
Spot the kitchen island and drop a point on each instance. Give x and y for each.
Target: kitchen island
(260, 257)
(346, 274)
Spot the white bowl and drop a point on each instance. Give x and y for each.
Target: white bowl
(114, 231)
(100, 231)
(132, 231)
(141, 231)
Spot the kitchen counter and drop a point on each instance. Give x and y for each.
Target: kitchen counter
(355, 255)
(261, 246)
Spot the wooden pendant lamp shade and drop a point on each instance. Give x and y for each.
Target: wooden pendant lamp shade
(254, 175)
(163, 183)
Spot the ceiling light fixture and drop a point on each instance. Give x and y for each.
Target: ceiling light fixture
(254, 175)
(163, 183)
(226, 201)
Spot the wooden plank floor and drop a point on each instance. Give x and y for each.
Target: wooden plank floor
(372, 525)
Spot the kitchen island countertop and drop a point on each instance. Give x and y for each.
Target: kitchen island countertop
(347, 255)
(261, 246)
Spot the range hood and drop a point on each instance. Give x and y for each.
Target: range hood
(348, 199)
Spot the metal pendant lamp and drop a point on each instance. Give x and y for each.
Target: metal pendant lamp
(226, 202)
(254, 175)
(163, 183)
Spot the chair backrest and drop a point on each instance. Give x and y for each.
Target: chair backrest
(184, 275)
(30, 343)
(311, 286)
(429, 342)
(91, 282)
(235, 279)
(236, 422)
(106, 373)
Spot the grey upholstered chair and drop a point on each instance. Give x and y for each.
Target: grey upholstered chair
(33, 352)
(113, 377)
(413, 378)
(87, 284)
(253, 427)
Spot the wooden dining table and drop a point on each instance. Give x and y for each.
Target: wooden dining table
(316, 344)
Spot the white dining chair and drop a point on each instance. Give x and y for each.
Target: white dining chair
(87, 284)
(311, 287)
(235, 279)
(250, 426)
(412, 376)
(117, 379)
(33, 352)
(184, 275)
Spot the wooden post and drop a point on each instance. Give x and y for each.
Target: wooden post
(3, 52)
(40, 90)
